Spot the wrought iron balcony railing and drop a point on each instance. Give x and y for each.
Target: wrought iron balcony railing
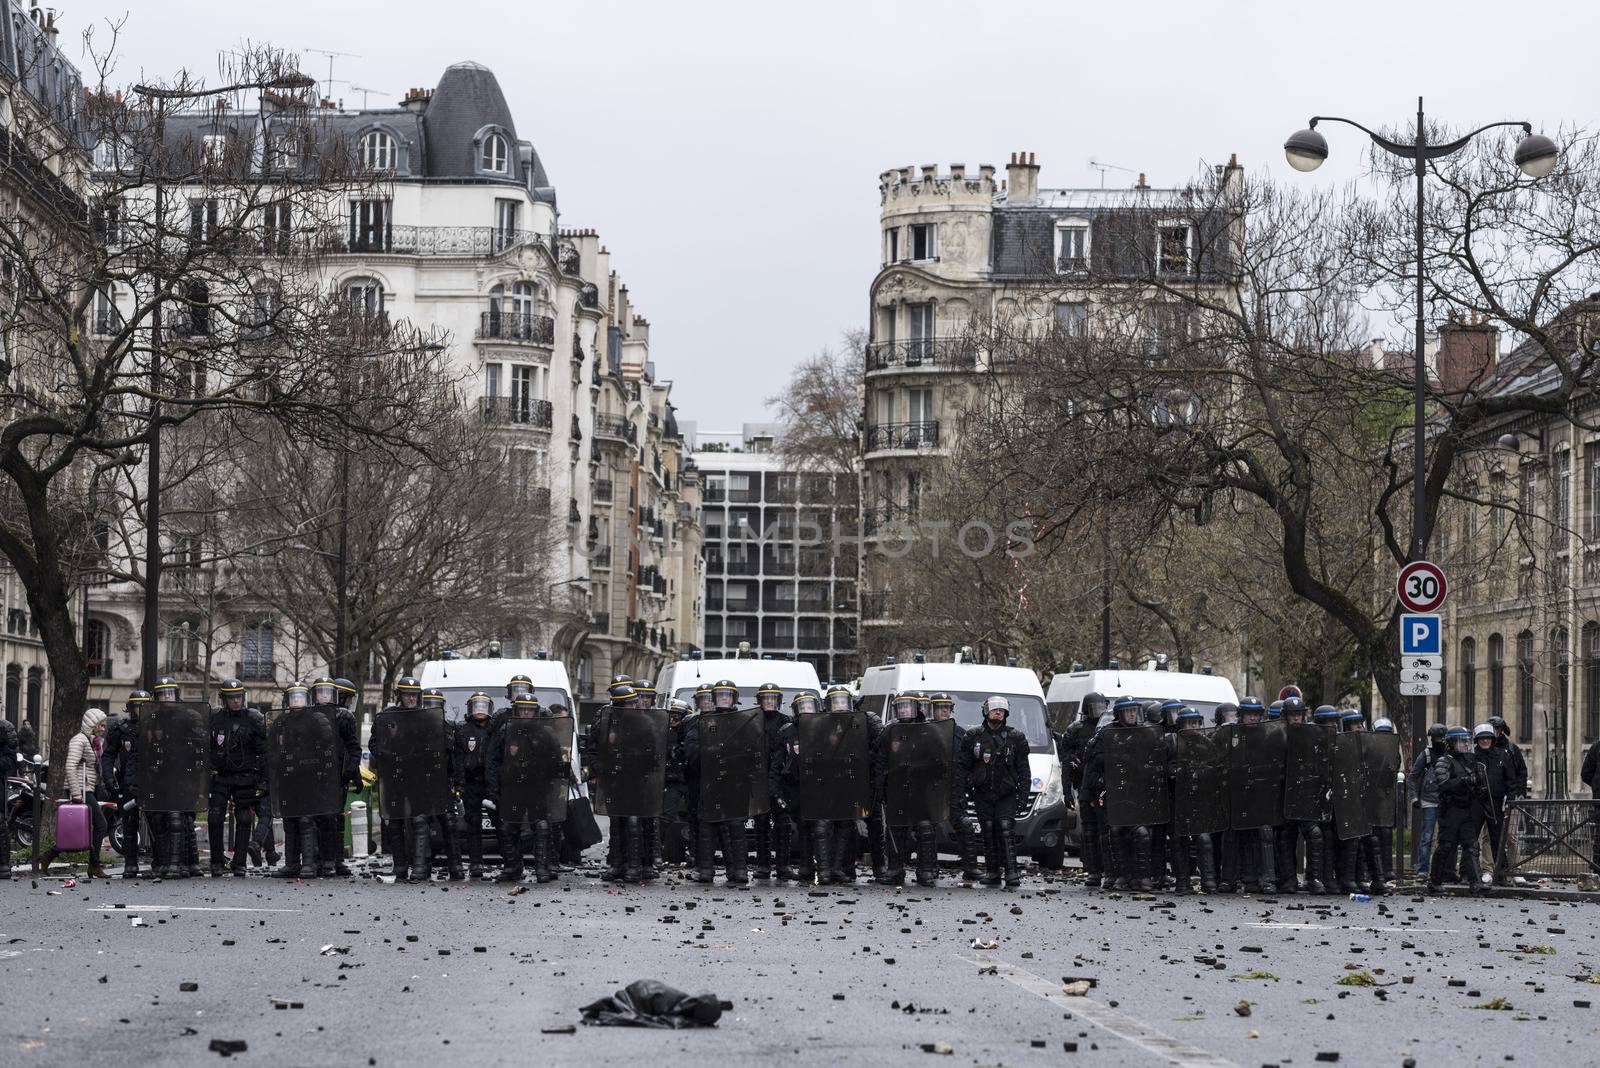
(517, 326)
(921, 352)
(517, 411)
(923, 435)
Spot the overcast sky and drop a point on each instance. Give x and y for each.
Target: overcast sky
(729, 153)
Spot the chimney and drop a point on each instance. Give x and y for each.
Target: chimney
(1022, 178)
(1142, 184)
(416, 100)
(1467, 353)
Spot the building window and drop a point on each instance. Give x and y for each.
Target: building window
(255, 649)
(97, 649)
(203, 220)
(216, 149)
(183, 646)
(1072, 318)
(495, 158)
(363, 298)
(377, 151)
(371, 225)
(197, 300)
(1174, 249)
(1469, 681)
(491, 380)
(1497, 675)
(1591, 515)
(14, 694)
(923, 244)
(505, 224)
(919, 411)
(920, 318)
(1561, 495)
(268, 299)
(277, 226)
(1590, 636)
(288, 147)
(1563, 677)
(891, 245)
(1072, 247)
(35, 694)
(1525, 686)
(107, 320)
(1528, 492)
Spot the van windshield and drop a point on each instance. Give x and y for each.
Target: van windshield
(1027, 715)
(455, 700)
(747, 698)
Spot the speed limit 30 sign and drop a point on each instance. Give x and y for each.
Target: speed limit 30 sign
(1421, 586)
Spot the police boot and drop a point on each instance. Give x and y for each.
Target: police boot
(1436, 868)
(1157, 868)
(735, 853)
(421, 857)
(1330, 858)
(1205, 860)
(475, 850)
(1008, 854)
(705, 854)
(763, 868)
(191, 847)
(332, 833)
(992, 860)
(1180, 866)
(927, 856)
(846, 851)
(1348, 850)
(130, 846)
(894, 859)
(452, 850)
(216, 828)
(821, 840)
(395, 845)
(1369, 846)
(243, 824)
(1089, 852)
(969, 850)
(176, 844)
(1386, 852)
(1225, 847)
(1142, 859)
(615, 836)
(876, 847)
(1283, 851)
(651, 829)
(1127, 866)
(292, 847)
(1269, 873)
(1314, 884)
(783, 831)
(633, 851)
(543, 871)
(511, 852)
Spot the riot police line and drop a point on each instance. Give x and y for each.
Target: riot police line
(1279, 800)
(682, 783)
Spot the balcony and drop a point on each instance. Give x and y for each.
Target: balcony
(589, 295)
(577, 353)
(417, 241)
(601, 622)
(614, 427)
(190, 579)
(517, 326)
(938, 352)
(876, 605)
(601, 557)
(516, 411)
(903, 436)
(602, 489)
(256, 670)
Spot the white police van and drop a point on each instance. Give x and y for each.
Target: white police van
(1043, 820)
(1202, 691)
(681, 678)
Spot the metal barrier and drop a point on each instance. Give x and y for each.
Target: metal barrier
(1546, 839)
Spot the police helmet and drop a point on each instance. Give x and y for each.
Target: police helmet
(924, 705)
(839, 699)
(231, 687)
(1155, 713)
(480, 703)
(679, 707)
(903, 706)
(803, 703)
(346, 691)
(1094, 704)
(1252, 705)
(1293, 705)
(1351, 719)
(1383, 726)
(1499, 725)
(1185, 714)
(1437, 732)
(621, 693)
(432, 698)
(135, 699)
(1483, 730)
(702, 697)
(1274, 710)
(525, 706)
(322, 690)
(295, 695)
(518, 684)
(941, 702)
(408, 691)
(646, 689)
(769, 690)
(998, 702)
(165, 689)
(1325, 714)
(1457, 737)
(1226, 712)
(725, 694)
(1126, 705)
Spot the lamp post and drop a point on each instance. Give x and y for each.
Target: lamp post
(1536, 157)
(152, 519)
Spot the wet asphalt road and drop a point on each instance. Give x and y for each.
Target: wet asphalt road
(474, 974)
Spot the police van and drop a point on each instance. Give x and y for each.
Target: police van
(1202, 691)
(1043, 820)
(681, 678)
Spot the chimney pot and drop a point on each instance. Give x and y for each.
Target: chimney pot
(1013, 159)
(1030, 159)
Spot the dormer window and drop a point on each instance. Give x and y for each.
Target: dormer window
(1072, 246)
(1175, 249)
(216, 148)
(377, 151)
(495, 158)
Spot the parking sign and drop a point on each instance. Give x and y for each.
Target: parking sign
(1421, 635)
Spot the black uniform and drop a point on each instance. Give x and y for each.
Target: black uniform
(8, 765)
(626, 853)
(474, 740)
(901, 837)
(122, 753)
(1190, 853)
(766, 825)
(330, 826)
(541, 836)
(994, 761)
(677, 835)
(783, 787)
(1463, 803)
(407, 839)
(1071, 744)
(960, 827)
(729, 833)
(238, 771)
(1503, 779)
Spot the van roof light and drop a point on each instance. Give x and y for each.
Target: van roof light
(1011, 661)
(1206, 670)
(1077, 665)
(1113, 665)
(888, 661)
(920, 657)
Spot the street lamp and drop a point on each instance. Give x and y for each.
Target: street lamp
(1536, 156)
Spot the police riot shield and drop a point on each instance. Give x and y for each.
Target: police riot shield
(1305, 771)
(303, 763)
(733, 765)
(174, 757)
(916, 785)
(535, 770)
(1255, 775)
(835, 777)
(631, 767)
(1380, 755)
(411, 753)
(1136, 777)
(1351, 818)
(1200, 783)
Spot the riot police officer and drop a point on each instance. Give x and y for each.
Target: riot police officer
(183, 849)
(769, 698)
(1292, 832)
(904, 708)
(995, 762)
(729, 833)
(1254, 847)
(1384, 835)
(1195, 847)
(783, 787)
(8, 766)
(677, 840)
(1500, 775)
(1134, 844)
(330, 830)
(433, 702)
(625, 849)
(517, 837)
(834, 841)
(644, 697)
(1074, 745)
(516, 686)
(399, 835)
(1425, 795)
(958, 828)
(238, 769)
(474, 737)
(1463, 801)
(703, 700)
(122, 749)
(297, 830)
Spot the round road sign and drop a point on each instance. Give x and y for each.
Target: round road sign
(1421, 586)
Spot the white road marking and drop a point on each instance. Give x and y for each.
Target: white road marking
(1349, 927)
(1104, 1017)
(132, 909)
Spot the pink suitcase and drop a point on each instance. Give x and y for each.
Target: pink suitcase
(72, 827)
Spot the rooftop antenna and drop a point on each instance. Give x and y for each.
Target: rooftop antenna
(1101, 167)
(364, 90)
(331, 55)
